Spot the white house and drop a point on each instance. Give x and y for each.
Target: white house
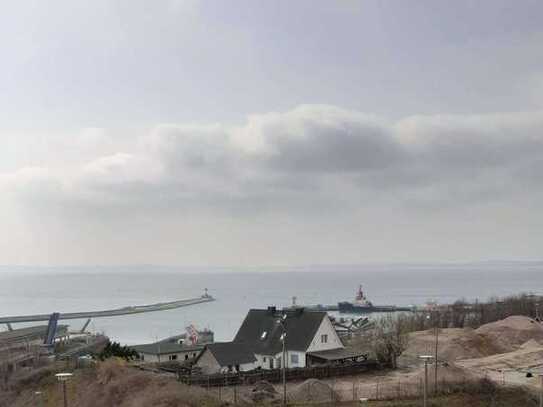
(310, 338)
(306, 332)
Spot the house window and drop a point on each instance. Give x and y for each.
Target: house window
(294, 358)
(229, 368)
(186, 357)
(264, 359)
(324, 338)
(172, 357)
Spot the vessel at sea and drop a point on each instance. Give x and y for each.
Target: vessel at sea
(361, 305)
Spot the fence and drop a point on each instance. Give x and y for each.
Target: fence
(276, 375)
(331, 392)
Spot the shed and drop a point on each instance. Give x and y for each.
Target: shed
(225, 357)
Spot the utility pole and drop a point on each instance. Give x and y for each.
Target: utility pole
(435, 353)
(426, 358)
(435, 314)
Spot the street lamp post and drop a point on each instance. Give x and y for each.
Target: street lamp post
(63, 378)
(283, 339)
(39, 396)
(541, 390)
(426, 358)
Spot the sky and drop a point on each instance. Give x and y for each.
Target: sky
(247, 133)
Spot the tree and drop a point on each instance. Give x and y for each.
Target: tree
(390, 339)
(114, 349)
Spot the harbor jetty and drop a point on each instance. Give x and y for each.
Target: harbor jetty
(137, 309)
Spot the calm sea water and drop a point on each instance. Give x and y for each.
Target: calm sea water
(27, 291)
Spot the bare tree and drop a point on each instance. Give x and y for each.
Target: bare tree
(390, 339)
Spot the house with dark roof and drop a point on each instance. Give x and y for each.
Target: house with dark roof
(174, 348)
(310, 338)
(166, 351)
(306, 332)
(226, 357)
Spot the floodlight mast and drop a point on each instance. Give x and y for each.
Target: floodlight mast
(63, 378)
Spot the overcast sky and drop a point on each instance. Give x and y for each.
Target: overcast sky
(246, 133)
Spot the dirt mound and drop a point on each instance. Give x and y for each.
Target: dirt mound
(521, 359)
(312, 390)
(114, 384)
(510, 333)
(453, 344)
(531, 344)
(457, 344)
(448, 373)
(118, 385)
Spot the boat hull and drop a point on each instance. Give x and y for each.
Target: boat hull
(350, 308)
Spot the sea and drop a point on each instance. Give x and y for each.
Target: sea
(33, 290)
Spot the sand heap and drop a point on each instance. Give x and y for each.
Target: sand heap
(456, 344)
(528, 357)
(510, 333)
(531, 344)
(449, 373)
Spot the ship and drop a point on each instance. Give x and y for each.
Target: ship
(361, 305)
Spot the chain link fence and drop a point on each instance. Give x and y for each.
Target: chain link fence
(345, 392)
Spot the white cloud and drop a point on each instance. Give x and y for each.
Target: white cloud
(325, 152)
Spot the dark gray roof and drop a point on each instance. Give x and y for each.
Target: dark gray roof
(163, 348)
(301, 326)
(230, 353)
